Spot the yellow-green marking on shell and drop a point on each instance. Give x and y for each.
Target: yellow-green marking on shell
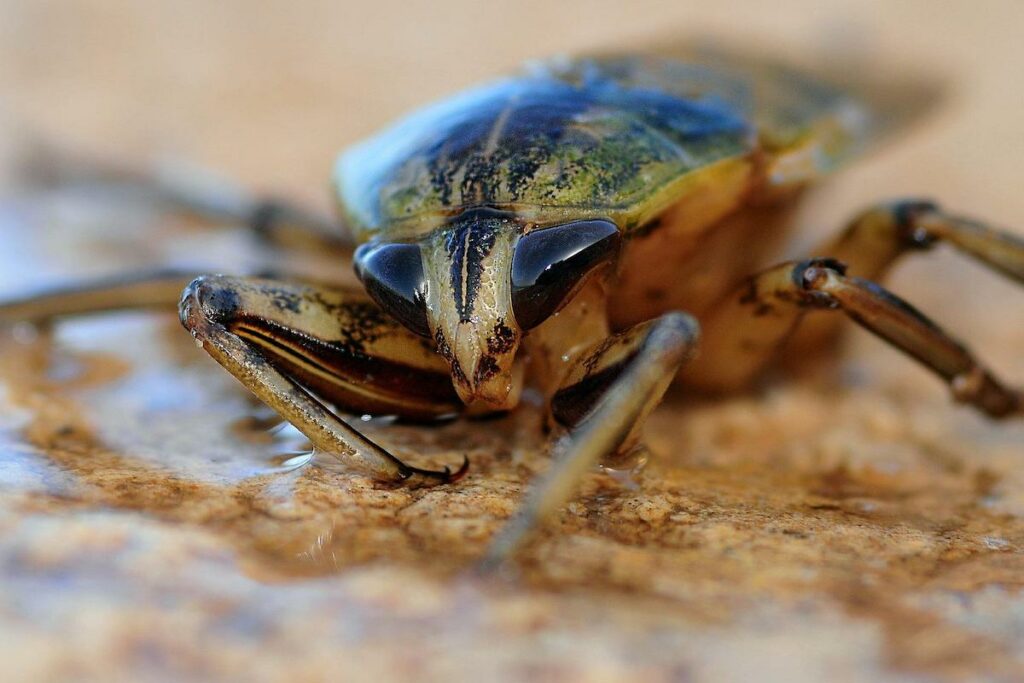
(580, 138)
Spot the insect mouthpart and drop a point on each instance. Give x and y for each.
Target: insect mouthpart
(468, 266)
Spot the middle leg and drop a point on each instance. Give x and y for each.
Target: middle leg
(879, 237)
(745, 331)
(602, 402)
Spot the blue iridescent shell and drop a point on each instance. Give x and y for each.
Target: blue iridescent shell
(586, 137)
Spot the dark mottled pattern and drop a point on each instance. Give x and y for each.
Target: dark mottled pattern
(457, 374)
(502, 339)
(284, 299)
(593, 360)
(349, 369)
(220, 303)
(485, 369)
(539, 139)
(468, 244)
(344, 363)
(361, 324)
(589, 133)
(571, 404)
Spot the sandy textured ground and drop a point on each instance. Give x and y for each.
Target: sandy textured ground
(851, 525)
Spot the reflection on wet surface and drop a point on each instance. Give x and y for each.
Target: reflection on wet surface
(116, 424)
(859, 529)
(157, 426)
(121, 410)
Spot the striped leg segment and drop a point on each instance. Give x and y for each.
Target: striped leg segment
(282, 340)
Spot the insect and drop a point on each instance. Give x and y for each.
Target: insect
(574, 228)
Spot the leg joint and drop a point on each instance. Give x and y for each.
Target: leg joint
(813, 278)
(209, 299)
(908, 215)
(674, 333)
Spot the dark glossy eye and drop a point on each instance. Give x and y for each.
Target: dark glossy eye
(393, 277)
(550, 264)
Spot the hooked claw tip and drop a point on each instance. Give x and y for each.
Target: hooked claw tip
(459, 473)
(445, 476)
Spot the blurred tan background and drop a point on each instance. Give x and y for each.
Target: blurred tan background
(269, 92)
(852, 527)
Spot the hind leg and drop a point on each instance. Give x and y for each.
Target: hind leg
(160, 289)
(195, 192)
(150, 289)
(877, 238)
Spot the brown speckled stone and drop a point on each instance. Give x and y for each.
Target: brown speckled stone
(848, 525)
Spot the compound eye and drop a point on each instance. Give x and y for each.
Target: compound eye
(393, 277)
(552, 263)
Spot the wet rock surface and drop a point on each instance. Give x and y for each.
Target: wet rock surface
(846, 524)
(155, 524)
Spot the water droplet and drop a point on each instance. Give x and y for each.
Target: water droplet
(994, 543)
(64, 369)
(25, 333)
(279, 428)
(626, 469)
(286, 462)
(332, 462)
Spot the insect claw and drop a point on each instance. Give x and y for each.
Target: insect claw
(461, 472)
(422, 477)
